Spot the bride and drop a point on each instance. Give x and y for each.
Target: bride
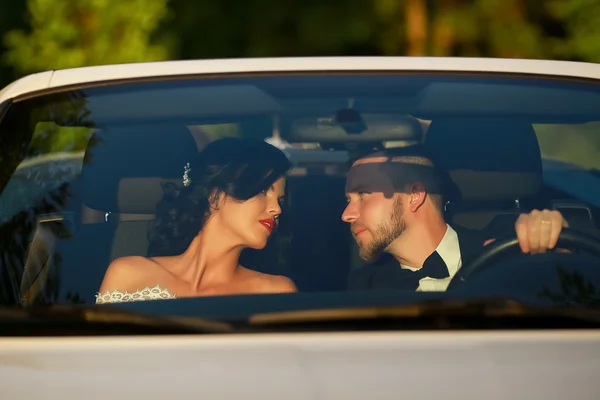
(229, 200)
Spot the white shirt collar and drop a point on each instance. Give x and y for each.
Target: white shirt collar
(449, 250)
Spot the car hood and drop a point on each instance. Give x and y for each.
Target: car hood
(382, 365)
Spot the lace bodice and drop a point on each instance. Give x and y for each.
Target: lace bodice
(148, 293)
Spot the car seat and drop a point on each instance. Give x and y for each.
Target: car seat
(493, 166)
(119, 160)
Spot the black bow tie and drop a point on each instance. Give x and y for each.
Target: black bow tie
(389, 275)
(433, 267)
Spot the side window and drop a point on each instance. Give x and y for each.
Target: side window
(577, 144)
(40, 161)
(54, 157)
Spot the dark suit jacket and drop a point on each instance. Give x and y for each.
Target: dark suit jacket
(386, 273)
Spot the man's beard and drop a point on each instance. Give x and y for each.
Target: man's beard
(384, 234)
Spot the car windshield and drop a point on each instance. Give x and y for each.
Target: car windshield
(86, 174)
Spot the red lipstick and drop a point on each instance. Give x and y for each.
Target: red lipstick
(268, 223)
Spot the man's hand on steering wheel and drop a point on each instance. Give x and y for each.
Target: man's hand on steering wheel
(538, 231)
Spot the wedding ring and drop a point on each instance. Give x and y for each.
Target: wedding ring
(546, 221)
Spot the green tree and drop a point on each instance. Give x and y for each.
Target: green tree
(11, 17)
(267, 28)
(583, 31)
(66, 34)
(473, 28)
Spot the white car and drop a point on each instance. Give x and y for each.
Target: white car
(85, 152)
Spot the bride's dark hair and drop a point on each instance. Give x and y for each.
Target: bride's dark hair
(240, 168)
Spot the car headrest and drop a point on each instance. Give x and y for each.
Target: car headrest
(487, 158)
(118, 158)
(140, 195)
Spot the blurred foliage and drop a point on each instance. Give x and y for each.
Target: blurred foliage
(378, 27)
(76, 33)
(61, 33)
(11, 18)
(580, 18)
(489, 28)
(51, 138)
(219, 131)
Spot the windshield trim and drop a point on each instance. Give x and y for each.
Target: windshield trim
(262, 74)
(79, 75)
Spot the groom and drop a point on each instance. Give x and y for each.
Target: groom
(395, 207)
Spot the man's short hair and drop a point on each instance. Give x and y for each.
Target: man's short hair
(434, 182)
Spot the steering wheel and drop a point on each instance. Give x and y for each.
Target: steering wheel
(568, 239)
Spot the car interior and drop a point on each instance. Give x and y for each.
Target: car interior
(110, 208)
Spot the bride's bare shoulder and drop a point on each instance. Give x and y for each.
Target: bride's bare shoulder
(128, 273)
(279, 284)
(272, 283)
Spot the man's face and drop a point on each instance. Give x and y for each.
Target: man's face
(374, 210)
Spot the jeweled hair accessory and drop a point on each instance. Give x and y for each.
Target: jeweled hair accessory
(187, 181)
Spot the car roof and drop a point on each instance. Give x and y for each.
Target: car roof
(96, 74)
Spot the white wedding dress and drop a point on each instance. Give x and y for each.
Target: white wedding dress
(148, 293)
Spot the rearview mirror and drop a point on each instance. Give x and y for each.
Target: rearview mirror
(377, 128)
